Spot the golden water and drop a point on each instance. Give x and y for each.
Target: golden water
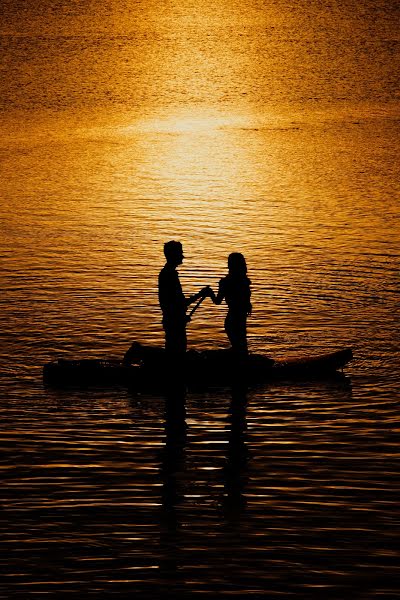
(266, 129)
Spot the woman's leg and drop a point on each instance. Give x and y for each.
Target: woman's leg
(236, 330)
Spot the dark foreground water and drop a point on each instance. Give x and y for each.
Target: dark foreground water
(266, 128)
(288, 490)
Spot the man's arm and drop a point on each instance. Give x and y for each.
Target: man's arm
(205, 291)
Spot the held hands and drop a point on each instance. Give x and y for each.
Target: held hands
(206, 292)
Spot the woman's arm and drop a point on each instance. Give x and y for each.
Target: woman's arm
(217, 299)
(203, 293)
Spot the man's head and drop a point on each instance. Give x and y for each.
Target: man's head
(173, 252)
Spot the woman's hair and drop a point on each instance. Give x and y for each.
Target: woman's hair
(237, 264)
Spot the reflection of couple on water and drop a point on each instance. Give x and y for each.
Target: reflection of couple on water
(234, 288)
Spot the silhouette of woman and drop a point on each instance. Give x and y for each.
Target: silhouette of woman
(235, 289)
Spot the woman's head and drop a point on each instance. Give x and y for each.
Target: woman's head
(237, 264)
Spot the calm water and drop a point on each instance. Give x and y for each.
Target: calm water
(266, 128)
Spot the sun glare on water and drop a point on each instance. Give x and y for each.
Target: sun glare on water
(190, 123)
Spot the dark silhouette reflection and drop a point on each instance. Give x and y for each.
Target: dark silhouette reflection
(173, 452)
(172, 464)
(235, 471)
(173, 535)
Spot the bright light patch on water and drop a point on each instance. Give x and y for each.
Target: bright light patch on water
(193, 121)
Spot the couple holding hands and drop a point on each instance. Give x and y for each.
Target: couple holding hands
(234, 288)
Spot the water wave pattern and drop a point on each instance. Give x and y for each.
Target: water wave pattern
(286, 490)
(281, 490)
(265, 128)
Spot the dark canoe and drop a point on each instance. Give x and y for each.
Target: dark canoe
(210, 367)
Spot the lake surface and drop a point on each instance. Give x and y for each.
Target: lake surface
(269, 129)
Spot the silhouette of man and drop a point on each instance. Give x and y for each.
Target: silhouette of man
(173, 302)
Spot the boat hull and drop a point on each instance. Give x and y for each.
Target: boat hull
(202, 369)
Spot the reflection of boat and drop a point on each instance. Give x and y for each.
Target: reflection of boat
(145, 367)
